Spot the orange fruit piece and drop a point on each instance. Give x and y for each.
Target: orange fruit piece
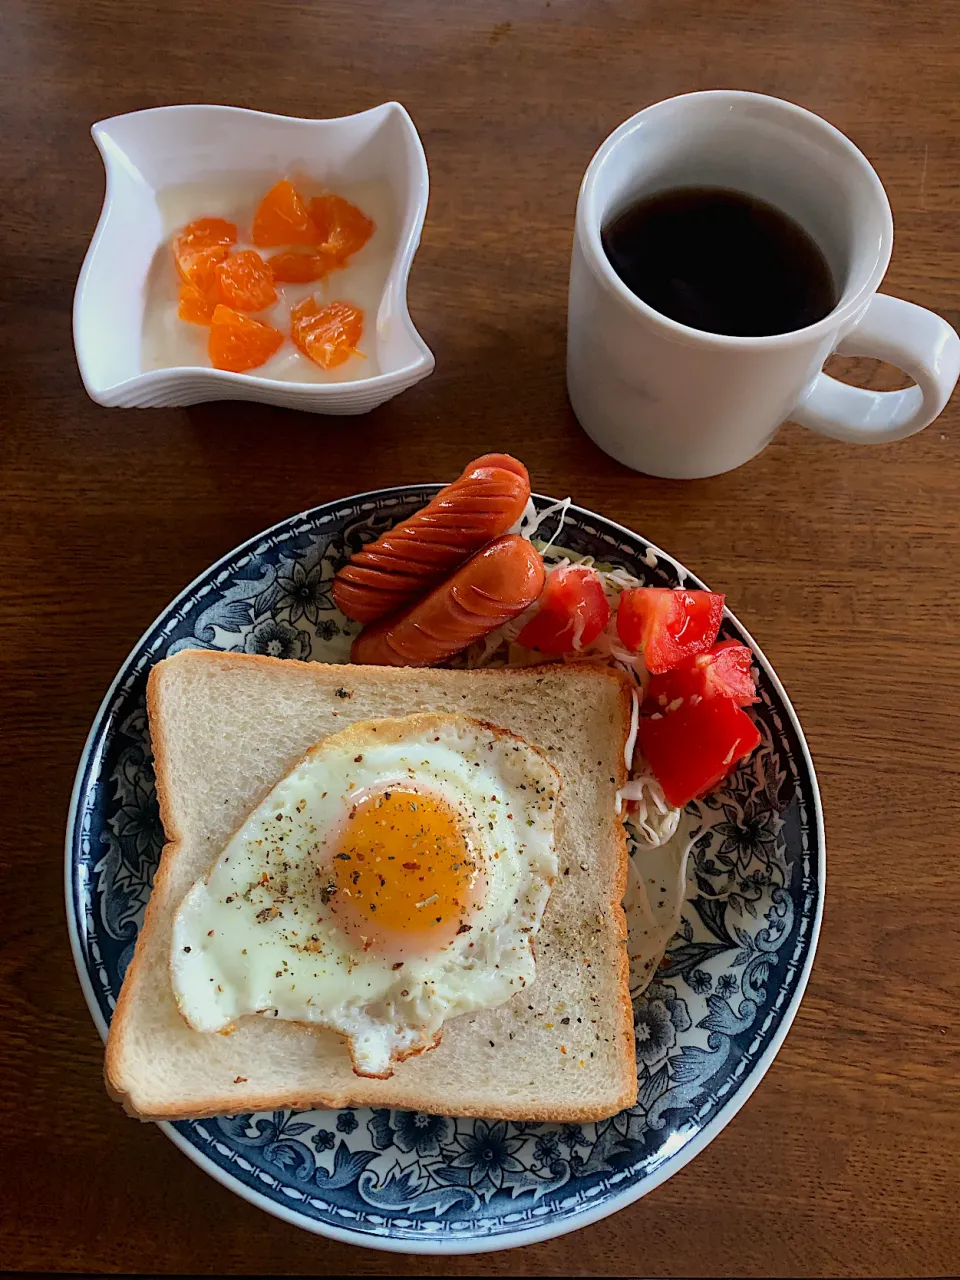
(238, 343)
(342, 227)
(300, 266)
(196, 307)
(200, 268)
(199, 246)
(327, 334)
(205, 233)
(282, 218)
(245, 282)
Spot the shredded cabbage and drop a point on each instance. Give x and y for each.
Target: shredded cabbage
(531, 520)
(649, 817)
(653, 919)
(653, 817)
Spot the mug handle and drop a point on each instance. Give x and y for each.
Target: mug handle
(915, 340)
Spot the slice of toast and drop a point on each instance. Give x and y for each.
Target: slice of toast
(225, 729)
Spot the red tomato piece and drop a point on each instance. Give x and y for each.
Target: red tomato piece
(725, 671)
(692, 749)
(668, 625)
(573, 611)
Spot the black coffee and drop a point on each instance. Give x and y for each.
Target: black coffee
(720, 261)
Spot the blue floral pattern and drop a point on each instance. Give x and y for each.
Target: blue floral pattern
(276, 639)
(731, 976)
(347, 1121)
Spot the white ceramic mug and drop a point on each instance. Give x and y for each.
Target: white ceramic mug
(675, 401)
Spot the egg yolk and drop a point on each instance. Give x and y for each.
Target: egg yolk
(405, 875)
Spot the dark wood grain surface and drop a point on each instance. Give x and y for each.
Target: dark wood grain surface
(841, 561)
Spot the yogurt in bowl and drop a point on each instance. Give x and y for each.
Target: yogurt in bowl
(167, 165)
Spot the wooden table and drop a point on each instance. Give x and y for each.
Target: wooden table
(840, 560)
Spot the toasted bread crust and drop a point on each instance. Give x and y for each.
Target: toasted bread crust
(363, 1090)
(112, 1068)
(228, 1104)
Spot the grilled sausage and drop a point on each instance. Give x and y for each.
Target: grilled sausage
(497, 584)
(413, 556)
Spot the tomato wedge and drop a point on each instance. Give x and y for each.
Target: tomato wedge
(693, 748)
(725, 671)
(573, 611)
(668, 625)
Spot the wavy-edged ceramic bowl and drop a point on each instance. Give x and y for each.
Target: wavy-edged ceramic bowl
(148, 152)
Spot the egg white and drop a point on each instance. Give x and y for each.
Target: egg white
(258, 935)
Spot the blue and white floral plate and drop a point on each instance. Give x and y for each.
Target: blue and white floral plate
(707, 1027)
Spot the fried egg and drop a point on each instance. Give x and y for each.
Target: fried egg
(395, 878)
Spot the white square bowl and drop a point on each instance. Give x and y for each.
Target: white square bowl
(146, 152)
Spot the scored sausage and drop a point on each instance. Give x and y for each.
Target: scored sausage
(407, 560)
(497, 584)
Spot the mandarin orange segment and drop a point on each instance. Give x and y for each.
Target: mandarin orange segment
(245, 282)
(342, 227)
(200, 245)
(238, 343)
(204, 233)
(200, 268)
(196, 307)
(282, 218)
(327, 334)
(300, 267)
